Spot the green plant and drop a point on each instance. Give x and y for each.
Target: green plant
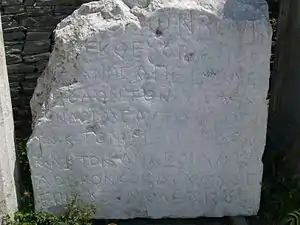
(292, 218)
(31, 218)
(75, 213)
(281, 181)
(280, 191)
(24, 184)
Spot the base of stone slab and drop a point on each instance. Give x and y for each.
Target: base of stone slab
(197, 221)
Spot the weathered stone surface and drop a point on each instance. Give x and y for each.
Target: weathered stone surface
(155, 112)
(20, 68)
(10, 2)
(12, 58)
(13, 48)
(14, 36)
(64, 9)
(13, 9)
(8, 22)
(36, 36)
(61, 2)
(35, 47)
(40, 22)
(36, 58)
(29, 2)
(32, 77)
(8, 199)
(39, 10)
(137, 3)
(16, 77)
(14, 29)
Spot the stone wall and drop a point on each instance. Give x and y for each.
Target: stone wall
(27, 29)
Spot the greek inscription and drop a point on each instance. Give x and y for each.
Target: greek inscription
(64, 163)
(59, 198)
(179, 77)
(42, 181)
(150, 91)
(138, 48)
(155, 45)
(58, 180)
(45, 199)
(164, 179)
(96, 180)
(133, 91)
(160, 22)
(128, 114)
(115, 73)
(178, 196)
(96, 46)
(91, 196)
(84, 179)
(120, 50)
(150, 197)
(161, 74)
(185, 23)
(142, 74)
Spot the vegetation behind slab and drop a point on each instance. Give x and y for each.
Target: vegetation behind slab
(75, 213)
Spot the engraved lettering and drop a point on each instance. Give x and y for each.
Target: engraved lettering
(58, 180)
(185, 23)
(120, 50)
(96, 179)
(138, 49)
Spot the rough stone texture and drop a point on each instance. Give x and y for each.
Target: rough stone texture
(8, 198)
(36, 17)
(27, 27)
(144, 112)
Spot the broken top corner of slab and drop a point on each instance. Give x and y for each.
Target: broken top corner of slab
(237, 10)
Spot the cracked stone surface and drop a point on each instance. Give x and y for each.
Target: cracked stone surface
(155, 111)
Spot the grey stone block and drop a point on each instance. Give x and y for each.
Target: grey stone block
(13, 58)
(37, 36)
(20, 68)
(29, 2)
(12, 36)
(14, 29)
(11, 2)
(36, 47)
(13, 9)
(39, 10)
(13, 47)
(16, 77)
(35, 58)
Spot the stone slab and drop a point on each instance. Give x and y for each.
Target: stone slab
(154, 112)
(8, 199)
